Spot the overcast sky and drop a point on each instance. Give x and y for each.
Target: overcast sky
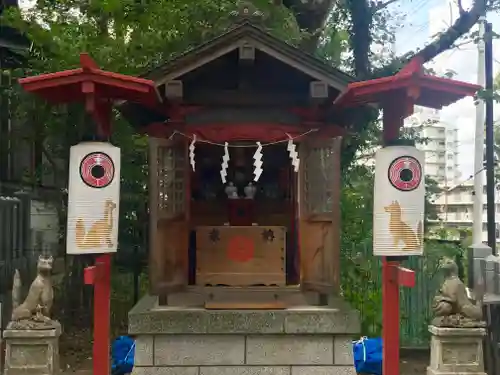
(426, 18)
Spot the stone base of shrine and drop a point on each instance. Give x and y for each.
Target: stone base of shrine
(456, 351)
(307, 340)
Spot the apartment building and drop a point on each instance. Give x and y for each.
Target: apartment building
(439, 141)
(455, 204)
(456, 208)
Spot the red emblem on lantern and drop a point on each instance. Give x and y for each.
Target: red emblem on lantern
(240, 249)
(405, 173)
(97, 170)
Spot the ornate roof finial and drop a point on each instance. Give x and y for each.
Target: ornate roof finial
(247, 12)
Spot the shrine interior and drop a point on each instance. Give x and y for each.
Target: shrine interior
(269, 203)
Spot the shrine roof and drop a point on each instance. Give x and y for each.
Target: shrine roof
(69, 85)
(241, 34)
(426, 90)
(14, 45)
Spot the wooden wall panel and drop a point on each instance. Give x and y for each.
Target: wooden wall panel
(169, 216)
(319, 213)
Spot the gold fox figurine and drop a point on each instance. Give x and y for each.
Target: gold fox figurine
(99, 234)
(401, 231)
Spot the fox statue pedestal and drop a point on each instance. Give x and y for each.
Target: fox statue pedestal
(457, 329)
(456, 351)
(32, 337)
(32, 351)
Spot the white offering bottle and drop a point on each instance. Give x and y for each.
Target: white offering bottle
(231, 191)
(250, 191)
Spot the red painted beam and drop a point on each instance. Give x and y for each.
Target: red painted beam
(390, 318)
(393, 276)
(99, 275)
(406, 277)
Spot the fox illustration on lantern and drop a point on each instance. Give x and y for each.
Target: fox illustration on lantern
(93, 196)
(399, 201)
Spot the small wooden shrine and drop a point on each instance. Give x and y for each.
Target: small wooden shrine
(243, 98)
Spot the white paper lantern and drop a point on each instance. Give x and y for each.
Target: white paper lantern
(93, 198)
(399, 201)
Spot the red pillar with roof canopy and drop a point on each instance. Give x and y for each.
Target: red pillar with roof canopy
(397, 95)
(97, 89)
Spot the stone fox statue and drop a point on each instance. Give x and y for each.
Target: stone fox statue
(38, 303)
(99, 233)
(453, 298)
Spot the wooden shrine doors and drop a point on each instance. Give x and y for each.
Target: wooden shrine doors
(169, 215)
(319, 214)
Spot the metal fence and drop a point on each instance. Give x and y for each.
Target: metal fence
(484, 269)
(15, 245)
(362, 287)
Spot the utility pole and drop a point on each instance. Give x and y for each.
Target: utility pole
(477, 215)
(490, 141)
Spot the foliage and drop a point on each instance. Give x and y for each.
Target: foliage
(362, 288)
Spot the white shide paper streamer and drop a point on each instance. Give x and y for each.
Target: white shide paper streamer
(191, 152)
(257, 157)
(225, 163)
(292, 151)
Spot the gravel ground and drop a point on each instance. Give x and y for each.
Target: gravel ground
(76, 356)
(413, 363)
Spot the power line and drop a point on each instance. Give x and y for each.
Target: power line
(458, 185)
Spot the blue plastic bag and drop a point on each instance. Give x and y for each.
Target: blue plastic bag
(367, 355)
(122, 355)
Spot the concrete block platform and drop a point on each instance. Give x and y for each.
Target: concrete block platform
(193, 341)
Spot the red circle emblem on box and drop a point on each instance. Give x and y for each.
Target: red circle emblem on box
(240, 249)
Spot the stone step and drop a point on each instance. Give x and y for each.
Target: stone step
(198, 296)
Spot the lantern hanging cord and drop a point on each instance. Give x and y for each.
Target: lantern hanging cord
(285, 140)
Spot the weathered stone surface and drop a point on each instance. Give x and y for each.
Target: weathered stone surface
(323, 370)
(199, 350)
(33, 333)
(245, 322)
(458, 332)
(322, 320)
(245, 370)
(31, 352)
(144, 348)
(148, 318)
(342, 349)
(289, 350)
(165, 371)
(456, 350)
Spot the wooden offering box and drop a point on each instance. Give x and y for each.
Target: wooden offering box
(240, 256)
